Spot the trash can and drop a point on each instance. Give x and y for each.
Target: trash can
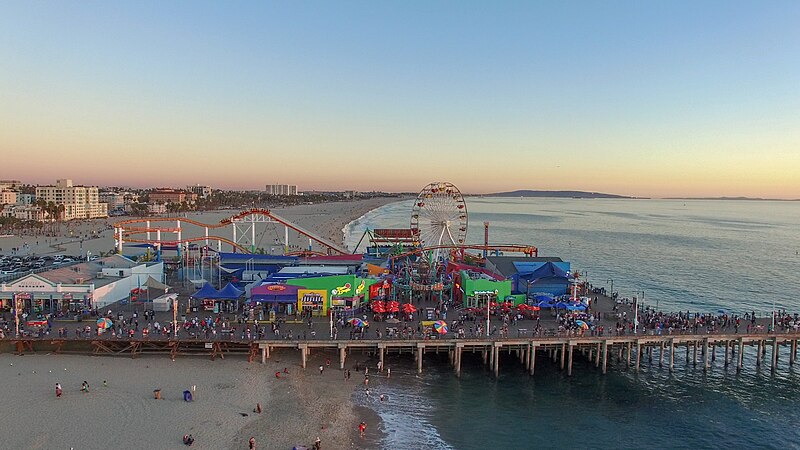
(157, 394)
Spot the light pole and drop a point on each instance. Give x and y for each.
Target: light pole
(16, 313)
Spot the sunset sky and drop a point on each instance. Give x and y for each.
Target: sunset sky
(645, 98)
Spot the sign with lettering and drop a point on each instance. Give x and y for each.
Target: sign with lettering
(342, 289)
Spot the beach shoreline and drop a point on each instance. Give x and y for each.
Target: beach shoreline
(329, 220)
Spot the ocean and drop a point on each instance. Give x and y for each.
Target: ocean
(689, 255)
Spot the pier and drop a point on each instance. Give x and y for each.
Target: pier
(628, 352)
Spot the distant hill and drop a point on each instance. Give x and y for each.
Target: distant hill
(557, 194)
(734, 198)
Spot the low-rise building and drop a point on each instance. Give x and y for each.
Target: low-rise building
(8, 197)
(281, 189)
(80, 287)
(171, 196)
(24, 212)
(201, 191)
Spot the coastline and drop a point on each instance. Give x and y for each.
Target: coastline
(329, 220)
(297, 408)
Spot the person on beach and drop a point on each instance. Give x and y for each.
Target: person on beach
(188, 439)
(317, 444)
(251, 444)
(58, 390)
(85, 386)
(362, 428)
(321, 369)
(258, 408)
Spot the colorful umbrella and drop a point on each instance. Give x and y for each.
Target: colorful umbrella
(582, 324)
(358, 323)
(440, 326)
(104, 323)
(408, 308)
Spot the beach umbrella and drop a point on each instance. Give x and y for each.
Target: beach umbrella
(378, 307)
(408, 308)
(522, 307)
(440, 326)
(582, 324)
(393, 306)
(104, 323)
(576, 307)
(358, 323)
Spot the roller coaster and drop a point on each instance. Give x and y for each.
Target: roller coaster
(243, 228)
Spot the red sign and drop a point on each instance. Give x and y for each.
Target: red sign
(276, 287)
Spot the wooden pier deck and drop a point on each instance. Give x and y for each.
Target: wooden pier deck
(632, 350)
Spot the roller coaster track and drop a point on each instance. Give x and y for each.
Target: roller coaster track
(264, 216)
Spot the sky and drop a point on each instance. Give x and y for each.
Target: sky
(654, 98)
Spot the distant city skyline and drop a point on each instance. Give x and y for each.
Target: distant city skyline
(671, 99)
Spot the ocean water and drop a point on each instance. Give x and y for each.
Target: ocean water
(702, 256)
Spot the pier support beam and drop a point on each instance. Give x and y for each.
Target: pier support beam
(420, 351)
(792, 351)
(629, 354)
(459, 351)
(485, 356)
(263, 355)
(672, 354)
(740, 362)
(563, 355)
(758, 352)
(694, 354)
(342, 356)
(532, 365)
(774, 353)
(569, 364)
(727, 352)
(381, 351)
(497, 360)
(597, 355)
(303, 353)
(661, 354)
(705, 354)
(605, 356)
(638, 354)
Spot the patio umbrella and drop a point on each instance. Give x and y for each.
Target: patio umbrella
(358, 323)
(582, 324)
(104, 323)
(408, 308)
(440, 326)
(378, 307)
(533, 308)
(393, 320)
(522, 307)
(393, 307)
(576, 307)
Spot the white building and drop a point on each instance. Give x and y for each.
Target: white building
(81, 286)
(23, 212)
(80, 202)
(282, 189)
(201, 191)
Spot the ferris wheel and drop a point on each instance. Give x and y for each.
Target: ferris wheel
(439, 217)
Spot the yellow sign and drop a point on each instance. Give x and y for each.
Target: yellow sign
(342, 289)
(314, 299)
(360, 288)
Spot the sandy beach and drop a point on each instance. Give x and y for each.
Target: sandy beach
(123, 413)
(297, 408)
(96, 236)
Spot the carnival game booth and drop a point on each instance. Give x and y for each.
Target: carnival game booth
(340, 292)
(479, 289)
(548, 278)
(269, 300)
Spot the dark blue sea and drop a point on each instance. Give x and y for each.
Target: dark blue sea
(705, 256)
